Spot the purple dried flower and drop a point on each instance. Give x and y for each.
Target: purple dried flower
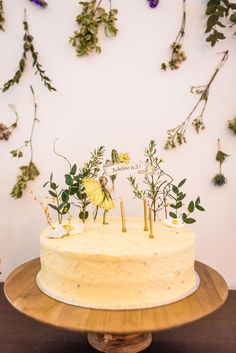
(153, 3)
(40, 3)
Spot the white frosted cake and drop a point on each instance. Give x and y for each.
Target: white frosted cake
(105, 268)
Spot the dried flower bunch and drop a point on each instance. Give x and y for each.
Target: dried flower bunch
(28, 47)
(6, 131)
(40, 3)
(2, 18)
(219, 179)
(160, 190)
(216, 11)
(177, 54)
(89, 21)
(27, 172)
(176, 136)
(73, 194)
(232, 125)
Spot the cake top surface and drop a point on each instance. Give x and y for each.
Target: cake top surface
(111, 241)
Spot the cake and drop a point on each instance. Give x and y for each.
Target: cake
(104, 268)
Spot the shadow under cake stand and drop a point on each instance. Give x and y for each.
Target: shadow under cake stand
(114, 331)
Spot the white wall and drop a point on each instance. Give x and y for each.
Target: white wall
(121, 99)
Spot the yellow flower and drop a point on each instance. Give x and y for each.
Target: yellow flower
(68, 227)
(124, 158)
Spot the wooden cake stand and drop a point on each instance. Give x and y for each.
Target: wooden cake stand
(114, 331)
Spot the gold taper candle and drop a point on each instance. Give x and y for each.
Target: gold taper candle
(151, 235)
(124, 230)
(145, 228)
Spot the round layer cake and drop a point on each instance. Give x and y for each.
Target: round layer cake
(104, 268)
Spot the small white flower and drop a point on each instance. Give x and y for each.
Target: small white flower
(173, 222)
(58, 232)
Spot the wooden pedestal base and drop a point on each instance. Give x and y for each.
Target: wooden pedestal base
(121, 326)
(114, 343)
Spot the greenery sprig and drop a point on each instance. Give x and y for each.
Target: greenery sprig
(6, 131)
(219, 179)
(74, 193)
(232, 125)
(216, 11)
(2, 18)
(157, 184)
(176, 136)
(27, 172)
(28, 47)
(89, 21)
(177, 54)
(60, 207)
(177, 205)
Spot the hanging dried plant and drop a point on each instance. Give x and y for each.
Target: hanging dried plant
(176, 136)
(216, 11)
(219, 179)
(153, 3)
(92, 17)
(27, 172)
(28, 47)
(2, 18)
(40, 3)
(232, 125)
(6, 131)
(177, 54)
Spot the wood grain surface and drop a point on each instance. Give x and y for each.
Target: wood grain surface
(23, 293)
(214, 333)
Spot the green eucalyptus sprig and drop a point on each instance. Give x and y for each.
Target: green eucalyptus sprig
(156, 184)
(89, 21)
(232, 125)
(177, 204)
(27, 172)
(177, 54)
(2, 18)
(216, 11)
(177, 136)
(219, 179)
(28, 47)
(6, 131)
(59, 206)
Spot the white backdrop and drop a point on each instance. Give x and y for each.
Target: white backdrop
(121, 99)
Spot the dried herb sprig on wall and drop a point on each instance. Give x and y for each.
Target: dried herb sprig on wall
(27, 172)
(176, 136)
(92, 17)
(232, 125)
(2, 18)
(219, 179)
(177, 54)
(6, 131)
(216, 11)
(28, 47)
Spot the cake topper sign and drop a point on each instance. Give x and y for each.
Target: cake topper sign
(134, 167)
